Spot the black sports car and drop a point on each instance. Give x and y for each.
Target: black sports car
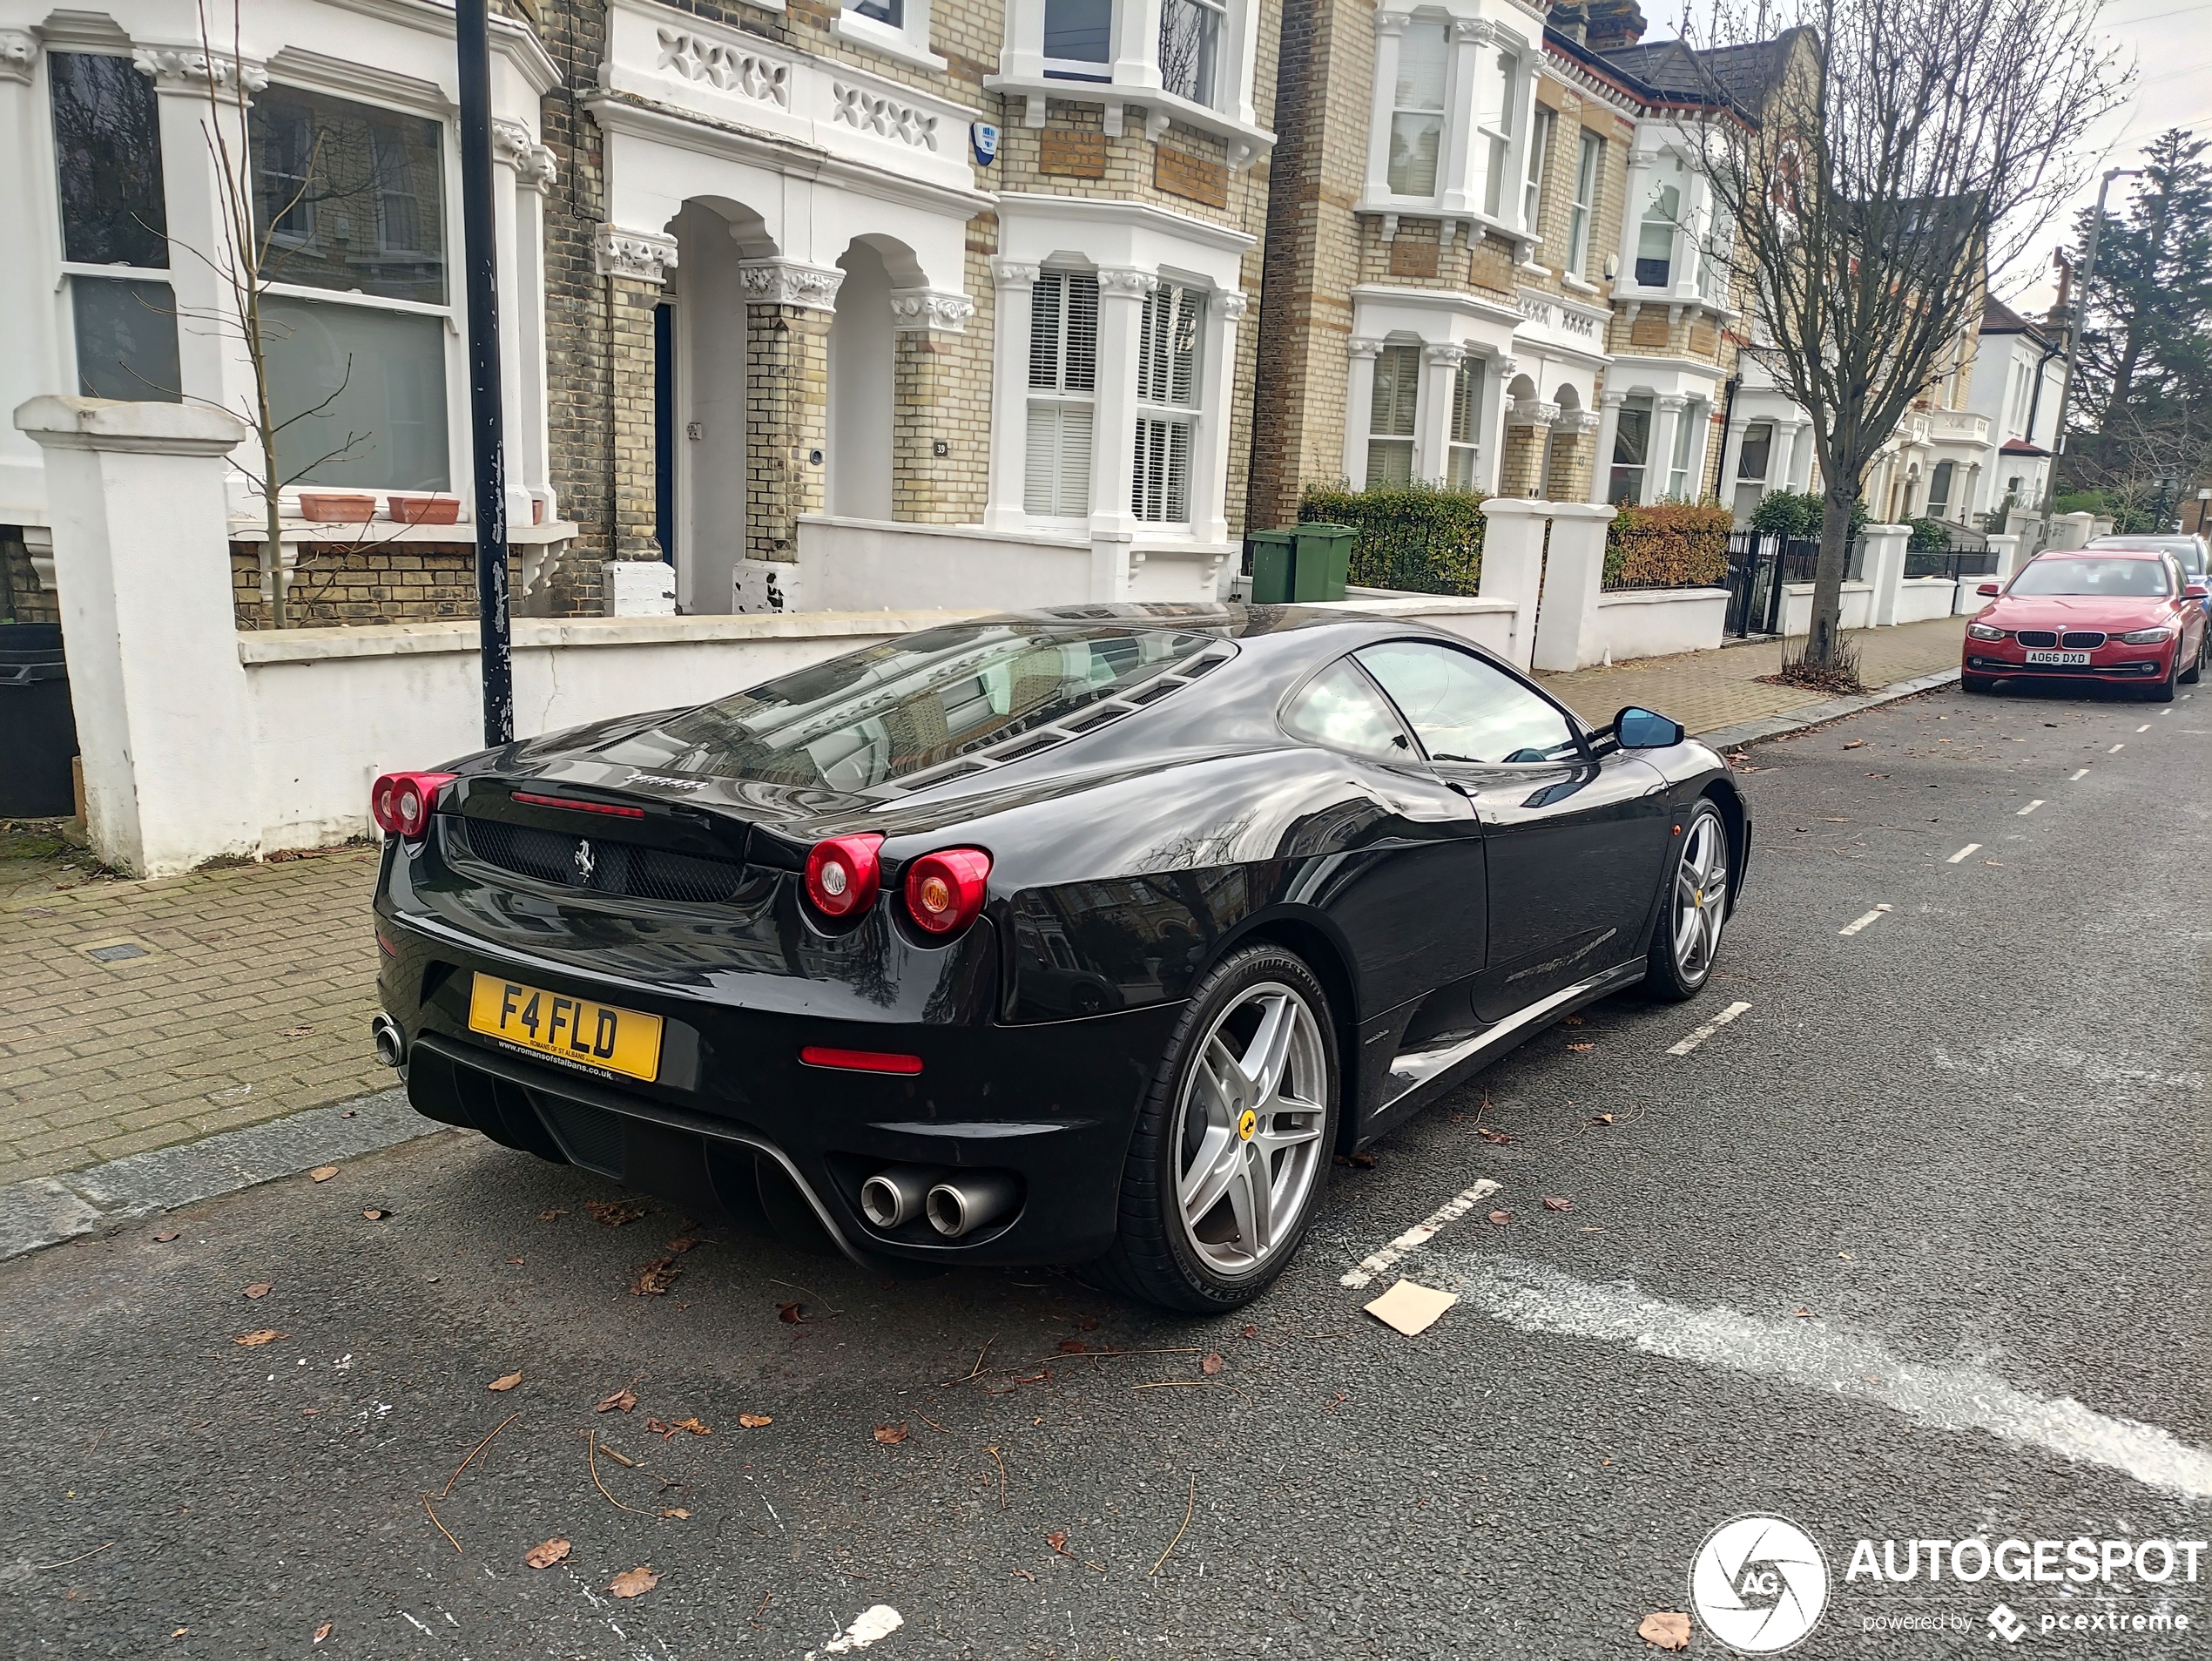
(1083, 935)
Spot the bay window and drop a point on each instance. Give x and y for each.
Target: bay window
(1078, 40)
(1064, 388)
(1390, 415)
(1678, 464)
(1190, 33)
(1939, 489)
(350, 200)
(1466, 429)
(1167, 403)
(1494, 99)
(1754, 455)
(115, 242)
(1631, 452)
(1655, 230)
(1589, 168)
(1417, 110)
(1532, 189)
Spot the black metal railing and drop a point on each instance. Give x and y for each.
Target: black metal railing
(1958, 559)
(1761, 564)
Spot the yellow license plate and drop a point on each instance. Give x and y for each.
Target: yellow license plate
(594, 1035)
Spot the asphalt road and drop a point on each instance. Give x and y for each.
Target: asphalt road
(1912, 1248)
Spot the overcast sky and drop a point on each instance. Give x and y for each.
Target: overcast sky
(2170, 44)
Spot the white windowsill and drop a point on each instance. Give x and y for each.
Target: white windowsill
(1581, 285)
(1180, 111)
(882, 38)
(374, 533)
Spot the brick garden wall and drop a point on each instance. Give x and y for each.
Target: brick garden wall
(415, 581)
(25, 600)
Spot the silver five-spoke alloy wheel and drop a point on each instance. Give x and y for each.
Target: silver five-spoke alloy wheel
(1701, 896)
(1248, 1129)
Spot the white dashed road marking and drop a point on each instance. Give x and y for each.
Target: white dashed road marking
(1872, 916)
(2082, 774)
(1537, 1297)
(2116, 749)
(1709, 1029)
(2145, 727)
(1969, 848)
(1419, 1235)
(2030, 808)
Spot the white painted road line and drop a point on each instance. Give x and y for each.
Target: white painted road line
(1962, 852)
(2145, 727)
(1419, 1235)
(1825, 1361)
(2116, 749)
(1854, 927)
(2082, 774)
(1709, 1029)
(2030, 808)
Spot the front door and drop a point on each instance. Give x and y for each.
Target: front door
(1573, 841)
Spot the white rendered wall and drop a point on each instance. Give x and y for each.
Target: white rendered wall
(1653, 623)
(1919, 598)
(710, 394)
(861, 389)
(1796, 607)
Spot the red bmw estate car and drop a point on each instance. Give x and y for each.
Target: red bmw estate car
(2103, 615)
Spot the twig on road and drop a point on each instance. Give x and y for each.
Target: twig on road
(473, 1452)
(1166, 1384)
(976, 1372)
(590, 1459)
(994, 1453)
(810, 1291)
(753, 1619)
(441, 1527)
(66, 1561)
(1189, 1505)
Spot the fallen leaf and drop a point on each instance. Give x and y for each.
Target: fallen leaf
(549, 1216)
(1602, 1118)
(693, 1425)
(164, 1239)
(655, 1278)
(621, 1402)
(322, 1173)
(889, 1435)
(1088, 1324)
(544, 1556)
(1496, 1139)
(322, 1631)
(254, 1340)
(1804, 1314)
(615, 1212)
(754, 1421)
(1023, 1574)
(1365, 1161)
(1251, 1332)
(634, 1583)
(1570, 1020)
(374, 1215)
(790, 1314)
(1551, 1204)
(1501, 1217)
(676, 1510)
(181, 1632)
(505, 1381)
(681, 1244)
(514, 1260)
(1665, 1628)
(1582, 1046)
(1059, 1543)
(259, 1289)
(1071, 1347)
(1212, 1364)
(1854, 744)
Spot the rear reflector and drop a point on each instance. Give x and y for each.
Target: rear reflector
(574, 806)
(859, 1061)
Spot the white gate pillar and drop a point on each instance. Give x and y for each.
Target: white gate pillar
(142, 560)
(1567, 632)
(1513, 563)
(1884, 569)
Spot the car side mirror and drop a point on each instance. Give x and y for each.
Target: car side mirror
(2196, 592)
(1641, 729)
(1989, 589)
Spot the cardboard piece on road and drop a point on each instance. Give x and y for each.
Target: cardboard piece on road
(1409, 1308)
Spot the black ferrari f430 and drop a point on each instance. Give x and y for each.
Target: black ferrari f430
(1086, 935)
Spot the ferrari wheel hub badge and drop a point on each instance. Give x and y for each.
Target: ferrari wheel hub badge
(1248, 1125)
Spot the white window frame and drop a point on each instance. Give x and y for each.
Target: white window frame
(1649, 406)
(907, 39)
(1060, 398)
(1085, 71)
(1541, 130)
(1160, 414)
(1208, 96)
(1581, 214)
(1678, 463)
(1446, 126)
(1463, 434)
(1407, 441)
(1496, 143)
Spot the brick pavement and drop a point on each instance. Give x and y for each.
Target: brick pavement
(1708, 690)
(253, 996)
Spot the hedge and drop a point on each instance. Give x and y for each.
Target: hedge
(1797, 513)
(1413, 537)
(1669, 544)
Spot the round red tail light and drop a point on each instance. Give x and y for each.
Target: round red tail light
(401, 803)
(843, 874)
(945, 890)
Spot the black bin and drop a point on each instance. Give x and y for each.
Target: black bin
(37, 728)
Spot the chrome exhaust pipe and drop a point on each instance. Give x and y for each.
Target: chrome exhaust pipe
(895, 1195)
(390, 1042)
(959, 1206)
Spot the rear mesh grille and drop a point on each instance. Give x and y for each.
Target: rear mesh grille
(2039, 636)
(605, 867)
(590, 1136)
(2078, 639)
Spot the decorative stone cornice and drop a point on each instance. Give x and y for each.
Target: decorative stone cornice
(1127, 282)
(790, 282)
(1530, 412)
(1445, 353)
(933, 309)
(1480, 31)
(510, 141)
(1234, 304)
(1392, 22)
(644, 255)
(18, 54)
(1643, 158)
(1577, 422)
(1015, 273)
(1613, 400)
(180, 70)
(1362, 347)
(534, 163)
(538, 170)
(1673, 401)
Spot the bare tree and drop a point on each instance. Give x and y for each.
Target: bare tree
(1877, 185)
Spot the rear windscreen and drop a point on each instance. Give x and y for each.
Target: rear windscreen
(876, 715)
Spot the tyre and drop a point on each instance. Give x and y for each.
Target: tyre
(1694, 909)
(1234, 1140)
(2194, 673)
(2166, 691)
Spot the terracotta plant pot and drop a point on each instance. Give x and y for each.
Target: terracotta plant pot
(332, 507)
(424, 509)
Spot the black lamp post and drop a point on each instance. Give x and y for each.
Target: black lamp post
(479, 264)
